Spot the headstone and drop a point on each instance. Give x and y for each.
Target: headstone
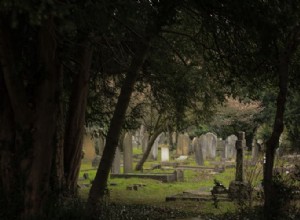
(179, 148)
(203, 145)
(212, 141)
(165, 154)
(183, 144)
(221, 148)
(127, 155)
(186, 145)
(198, 151)
(116, 163)
(230, 150)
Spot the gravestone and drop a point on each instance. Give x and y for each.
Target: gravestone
(165, 156)
(221, 148)
(117, 162)
(202, 141)
(211, 145)
(127, 154)
(179, 148)
(186, 144)
(230, 150)
(198, 151)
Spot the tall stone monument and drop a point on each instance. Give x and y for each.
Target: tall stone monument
(127, 154)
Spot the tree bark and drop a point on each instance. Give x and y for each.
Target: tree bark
(139, 166)
(76, 119)
(30, 143)
(273, 142)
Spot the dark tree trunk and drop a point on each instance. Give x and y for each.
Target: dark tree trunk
(140, 164)
(76, 119)
(273, 141)
(30, 144)
(99, 185)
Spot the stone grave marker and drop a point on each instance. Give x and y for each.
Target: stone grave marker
(186, 144)
(212, 141)
(127, 154)
(179, 149)
(165, 155)
(198, 152)
(230, 150)
(117, 162)
(202, 141)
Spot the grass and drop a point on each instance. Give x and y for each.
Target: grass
(155, 192)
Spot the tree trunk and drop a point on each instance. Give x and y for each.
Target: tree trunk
(273, 141)
(139, 166)
(99, 185)
(30, 144)
(7, 151)
(76, 119)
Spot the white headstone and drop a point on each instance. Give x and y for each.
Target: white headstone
(165, 154)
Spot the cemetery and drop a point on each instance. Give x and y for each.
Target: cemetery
(149, 110)
(202, 172)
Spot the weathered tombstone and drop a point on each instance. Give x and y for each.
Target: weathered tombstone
(116, 163)
(230, 150)
(127, 155)
(212, 141)
(165, 154)
(179, 175)
(221, 148)
(223, 152)
(179, 148)
(186, 144)
(202, 141)
(154, 149)
(198, 151)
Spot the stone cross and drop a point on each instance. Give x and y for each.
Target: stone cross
(240, 143)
